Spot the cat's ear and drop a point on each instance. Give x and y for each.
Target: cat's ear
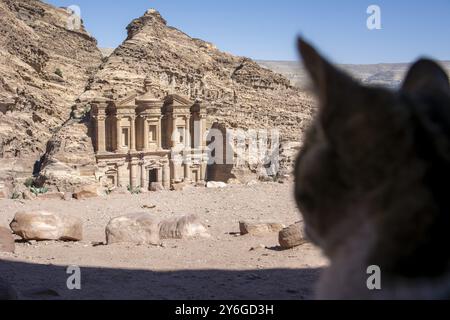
(331, 84)
(426, 76)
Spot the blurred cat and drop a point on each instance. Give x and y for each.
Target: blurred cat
(373, 182)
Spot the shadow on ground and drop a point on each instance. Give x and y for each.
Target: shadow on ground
(34, 281)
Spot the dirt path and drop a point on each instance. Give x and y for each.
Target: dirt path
(223, 267)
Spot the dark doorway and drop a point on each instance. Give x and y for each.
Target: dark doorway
(152, 177)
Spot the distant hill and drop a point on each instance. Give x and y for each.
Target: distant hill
(385, 74)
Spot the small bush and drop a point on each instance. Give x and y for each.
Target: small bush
(59, 73)
(136, 190)
(29, 183)
(38, 191)
(15, 196)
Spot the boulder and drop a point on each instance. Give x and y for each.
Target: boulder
(43, 225)
(182, 228)
(51, 196)
(6, 291)
(137, 228)
(7, 243)
(292, 236)
(216, 185)
(86, 192)
(257, 229)
(156, 186)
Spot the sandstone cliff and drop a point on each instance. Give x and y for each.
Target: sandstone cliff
(237, 92)
(44, 67)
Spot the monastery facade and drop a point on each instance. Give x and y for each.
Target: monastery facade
(148, 142)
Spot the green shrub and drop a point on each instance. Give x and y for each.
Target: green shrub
(136, 190)
(29, 182)
(59, 73)
(38, 191)
(15, 195)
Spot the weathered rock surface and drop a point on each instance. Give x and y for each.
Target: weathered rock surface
(44, 67)
(7, 243)
(137, 228)
(43, 225)
(292, 236)
(87, 192)
(182, 228)
(257, 229)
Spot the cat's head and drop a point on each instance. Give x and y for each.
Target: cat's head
(372, 154)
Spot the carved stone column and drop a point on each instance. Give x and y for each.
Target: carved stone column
(118, 134)
(159, 133)
(120, 167)
(187, 171)
(133, 134)
(174, 131)
(187, 132)
(133, 174)
(146, 132)
(202, 131)
(144, 182)
(166, 175)
(101, 134)
(203, 168)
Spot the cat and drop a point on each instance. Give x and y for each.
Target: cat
(372, 182)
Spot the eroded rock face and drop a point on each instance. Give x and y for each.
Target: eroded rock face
(258, 229)
(43, 225)
(136, 228)
(182, 228)
(292, 236)
(237, 90)
(44, 67)
(7, 243)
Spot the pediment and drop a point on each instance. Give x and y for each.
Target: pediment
(129, 100)
(178, 100)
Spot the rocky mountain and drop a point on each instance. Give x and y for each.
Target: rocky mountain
(44, 68)
(237, 91)
(385, 74)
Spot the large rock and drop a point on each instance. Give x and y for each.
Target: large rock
(216, 184)
(137, 228)
(7, 292)
(86, 192)
(7, 243)
(258, 229)
(182, 228)
(292, 236)
(43, 225)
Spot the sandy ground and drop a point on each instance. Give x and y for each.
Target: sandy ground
(223, 267)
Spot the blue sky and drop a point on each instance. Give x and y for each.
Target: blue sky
(263, 29)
